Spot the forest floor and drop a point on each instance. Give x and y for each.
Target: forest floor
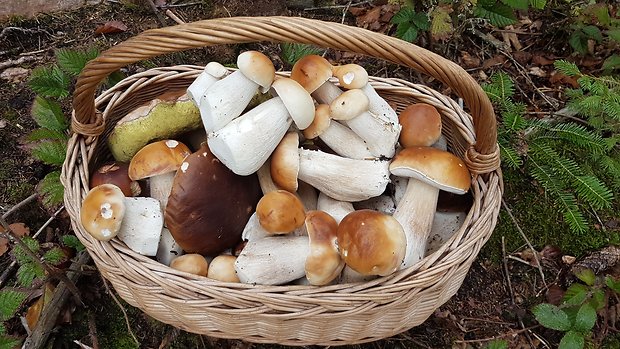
(503, 283)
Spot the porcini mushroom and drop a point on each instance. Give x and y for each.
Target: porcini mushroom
(421, 125)
(158, 161)
(429, 170)
(212, 72)
(339, 138)
(335, 208)
(280, 212)
(350, 76)
(247, 142)
(102, 211)
(226, 99)
(323, 263)
(116, 173)
(209, 205)
(142, 225)
(371, 243)
(192, 263)
(222, 268)
(380, 136)
(341, 178)
(313, 73)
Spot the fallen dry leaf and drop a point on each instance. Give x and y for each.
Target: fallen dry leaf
(537, 71)
(34, 311)
(540, 60)
(511, 38)
(559, 78)
(357, 11)
(496, 60)
(469, 61)
(3, 123)
(369, 18)
(523, 57)
(19, 229)
(111, 27)
(15, 74)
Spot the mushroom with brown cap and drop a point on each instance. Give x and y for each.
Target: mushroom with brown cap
(102, 211)
(116, 173)
(212, 72)
(158, 161)
(222, 268)
(339, 138)
(226, 99)
(341, 178)
(209, 205)
(421, 125)
(191, 263)
(350, 76)
(323, 263)
(380, 136)
(371, 243)
(313, 73)
(429, 170)
(247, 142)
(280, 212)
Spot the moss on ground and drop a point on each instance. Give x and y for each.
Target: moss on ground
(541, 221)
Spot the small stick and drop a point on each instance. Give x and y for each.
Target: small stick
(529, 244)
(160, 18)
(92, 329)
(512, 294)
(19, 205)
(111, 293)
(174, 17)
(14, 62)
(336, 6)
(527, 77)
(488, 339)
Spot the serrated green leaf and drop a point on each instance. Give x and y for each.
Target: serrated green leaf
(538, 4)
(54, 256)
(441, 22)
(592, 32)
(49, 82)
(10, 301)
(73, 61)
(598, 299)
(517, 4)
(51, 189)
(586, 318)
(572, 340)
(50, 152)
(613, 284)
(566, 67)
(498, 14)
(73, 242)
(402, 16)
(612, 62)
(579, 42)
(576, 294)
(407, 32)
(587, 276)
(614, 34)
(551, 317)
(421, 21)
(9, 343)
(28, 272)
(40, 134)
(48, 114)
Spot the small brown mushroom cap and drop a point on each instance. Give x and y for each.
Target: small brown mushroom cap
(157, 158)
(222, 268)
(102, 211)
(257, 67)
(192, 263)
(371, 242)
(116, 173)
(351, 76)
(280, 212)
(311, 72)
(324, 263)
(209, 205)
(321, 122)
(436, 167)
(285, 163)
(421, 125)
(349, 105)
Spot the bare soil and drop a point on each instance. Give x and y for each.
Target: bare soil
(495, 298)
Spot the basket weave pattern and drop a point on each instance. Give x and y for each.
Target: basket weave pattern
(293, 315)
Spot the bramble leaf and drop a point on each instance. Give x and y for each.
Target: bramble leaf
(551, 317)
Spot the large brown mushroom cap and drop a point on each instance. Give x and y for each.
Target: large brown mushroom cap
(324, 263)
(421, 125)
(157, 158)
(311, 72)
(209, 205)
(116, 173)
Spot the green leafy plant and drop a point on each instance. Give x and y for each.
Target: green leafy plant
(593, 22)
(49, 140)
(502, 13)
(569, 160)
(577, 313)
(10, 302)
(410, 23)
(292, 52)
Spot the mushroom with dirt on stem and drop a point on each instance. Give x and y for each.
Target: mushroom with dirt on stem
(429, 170)
(246, 143)
(338, 177)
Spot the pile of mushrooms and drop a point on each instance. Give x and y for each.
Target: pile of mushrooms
(319, 183)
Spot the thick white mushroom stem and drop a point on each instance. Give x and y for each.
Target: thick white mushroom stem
(380, 107)
(415, 212)
(345, 142)
(160, 187)
(273, 260)
(264, 178)
(247, 142)
(336, 208)
(342, 178)
(326, 93)
(212, 72)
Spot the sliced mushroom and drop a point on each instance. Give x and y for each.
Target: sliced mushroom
(142, 225)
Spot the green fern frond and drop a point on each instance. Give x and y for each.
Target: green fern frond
(10, 301)
(49, 82)
(54, 256)
(51, 189)
(599, 88)
(562, 167)
(48, 114)
(50, 152)
(593, 191)
(500, 89)
(574, 134)
(292, 52)
(73, 61)
(567, 68)
(513, 116)
(571, 213)
(27, 273)
(20, 255)
(40, 134)
(510, 157)
(585, 82)
(611, 107)
(2, 329)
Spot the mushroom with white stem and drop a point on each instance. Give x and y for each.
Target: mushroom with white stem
(382, 203)
(273, 260)
(247, 142)
(339, 138)
(313, 73)
(142, 225)
(380, 136)
(226, 99)
(168, 249)
(429, 170)
(280, 212)
(341, 178)
(350, 76)
(323, 264)
(158, 162)
(212, 72)
(421, 125)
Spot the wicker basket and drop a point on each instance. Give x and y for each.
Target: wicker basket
(292, 315)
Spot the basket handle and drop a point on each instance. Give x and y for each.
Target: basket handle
(155, 42)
